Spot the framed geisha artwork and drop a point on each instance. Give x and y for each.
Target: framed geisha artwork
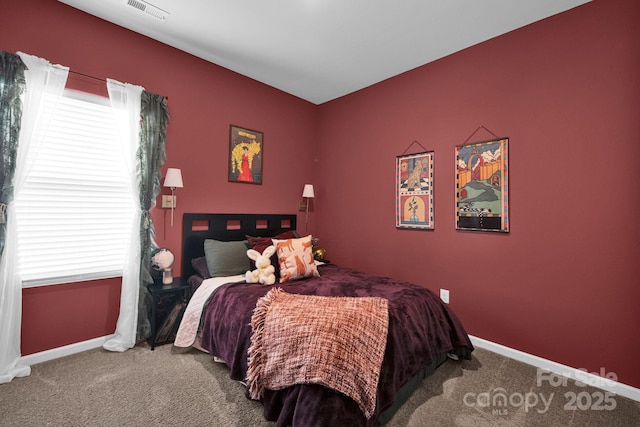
(245, 155)
(414, 191)
(482, 186)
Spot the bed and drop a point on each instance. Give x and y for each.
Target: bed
(420, 332)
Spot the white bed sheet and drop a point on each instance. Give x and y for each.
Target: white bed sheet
(188, 331)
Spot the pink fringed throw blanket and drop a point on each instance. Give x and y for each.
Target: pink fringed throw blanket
(338, 342)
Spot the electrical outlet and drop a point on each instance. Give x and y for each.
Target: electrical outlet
(444, 295)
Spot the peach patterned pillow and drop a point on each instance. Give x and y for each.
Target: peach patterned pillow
(295, 258)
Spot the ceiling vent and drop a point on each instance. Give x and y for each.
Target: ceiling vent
(149, 9)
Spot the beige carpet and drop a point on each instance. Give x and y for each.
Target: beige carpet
(175, 387)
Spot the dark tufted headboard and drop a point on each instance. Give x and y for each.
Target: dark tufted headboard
(197, 227)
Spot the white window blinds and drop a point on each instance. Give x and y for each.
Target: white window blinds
(76, 208)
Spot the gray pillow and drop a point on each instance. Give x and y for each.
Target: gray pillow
(226, 258)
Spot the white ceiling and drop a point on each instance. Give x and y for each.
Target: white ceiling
(320, 50)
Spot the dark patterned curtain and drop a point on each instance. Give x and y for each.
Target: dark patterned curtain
(12, 85)
(151, 156)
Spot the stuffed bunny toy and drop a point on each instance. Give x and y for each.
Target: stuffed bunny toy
(264, 272)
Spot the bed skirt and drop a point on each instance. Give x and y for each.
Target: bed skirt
(409, 387)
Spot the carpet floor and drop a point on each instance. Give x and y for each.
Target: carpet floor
(177, 387)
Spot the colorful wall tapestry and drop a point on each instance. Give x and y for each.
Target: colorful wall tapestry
(414, 191)
(482, 202)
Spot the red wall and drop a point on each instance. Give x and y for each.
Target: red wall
(82, 310)
(563, 284)
(560, 285)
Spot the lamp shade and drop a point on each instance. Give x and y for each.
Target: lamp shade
(173, 178)
(308, 191)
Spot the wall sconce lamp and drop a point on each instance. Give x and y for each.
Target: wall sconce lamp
(307, 194)
(173, 179)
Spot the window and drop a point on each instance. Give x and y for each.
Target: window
(76, 209)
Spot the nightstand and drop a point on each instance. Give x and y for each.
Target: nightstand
(167, 307)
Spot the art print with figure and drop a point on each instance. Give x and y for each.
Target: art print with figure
(245, 155)
(482, 184)
(414, 191)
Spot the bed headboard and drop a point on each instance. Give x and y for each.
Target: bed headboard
(197, 227)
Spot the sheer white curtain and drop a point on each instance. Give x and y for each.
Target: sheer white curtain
(125, 100)
(42, 79)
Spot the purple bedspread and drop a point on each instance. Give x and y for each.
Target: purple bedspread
(420, 328)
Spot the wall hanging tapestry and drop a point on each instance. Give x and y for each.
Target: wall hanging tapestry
(482, 178)
(245, 155)
(414, 191)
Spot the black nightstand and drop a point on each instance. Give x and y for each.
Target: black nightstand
(167, 307)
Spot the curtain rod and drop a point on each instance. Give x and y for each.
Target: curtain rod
(99, 79)
(87, 75)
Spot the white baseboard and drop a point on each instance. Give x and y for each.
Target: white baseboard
(560, 369)
(66, 350)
